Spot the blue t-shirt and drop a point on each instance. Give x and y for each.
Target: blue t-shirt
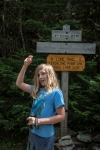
(49, 103)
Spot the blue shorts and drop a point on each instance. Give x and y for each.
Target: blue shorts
(41, 143)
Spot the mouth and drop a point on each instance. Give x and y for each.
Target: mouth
(42, 82)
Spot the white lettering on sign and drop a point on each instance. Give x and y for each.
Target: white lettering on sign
(66, 35)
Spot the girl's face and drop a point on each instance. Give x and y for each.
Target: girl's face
(42, 75)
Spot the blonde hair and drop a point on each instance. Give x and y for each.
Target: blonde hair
(52, 81)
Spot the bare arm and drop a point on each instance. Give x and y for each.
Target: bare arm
(51, 120)
(20, 79)
(55, 119)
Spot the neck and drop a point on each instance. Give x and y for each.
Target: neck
(42, 87)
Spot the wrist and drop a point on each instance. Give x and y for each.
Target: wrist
(36, 123)
(24, 67)
(39, 121)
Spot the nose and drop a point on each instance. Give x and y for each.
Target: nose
(40, 76)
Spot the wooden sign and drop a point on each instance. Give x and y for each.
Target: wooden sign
(68, 48)
(66, 35)
(67, 62)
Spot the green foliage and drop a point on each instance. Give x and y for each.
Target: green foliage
(11, 145)
(84, 95)
(98, 44)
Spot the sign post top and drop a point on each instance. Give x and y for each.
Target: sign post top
(66, 27)
(70, 48)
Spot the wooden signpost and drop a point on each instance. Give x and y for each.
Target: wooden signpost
(63, 35)
(66, 62)
(67, 48)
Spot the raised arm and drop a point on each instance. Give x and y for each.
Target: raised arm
(20, 79)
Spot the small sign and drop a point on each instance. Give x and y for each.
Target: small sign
(66, 35)
(67, 62)
(68, 48)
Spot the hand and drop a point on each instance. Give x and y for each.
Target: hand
(31, 120)
(28, 60)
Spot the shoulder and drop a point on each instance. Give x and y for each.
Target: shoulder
(58, 97)
(57, 90)
(31, 88)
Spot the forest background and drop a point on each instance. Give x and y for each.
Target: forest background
(22, 24)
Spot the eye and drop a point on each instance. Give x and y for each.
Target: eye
(38, 75)
(43, 73)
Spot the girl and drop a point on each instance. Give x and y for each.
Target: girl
(48, 104)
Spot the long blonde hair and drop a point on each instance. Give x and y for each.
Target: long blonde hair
(52, 81)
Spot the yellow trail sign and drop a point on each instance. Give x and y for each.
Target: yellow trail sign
(67, 62)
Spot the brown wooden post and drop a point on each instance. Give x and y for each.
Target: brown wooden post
(64, 87)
